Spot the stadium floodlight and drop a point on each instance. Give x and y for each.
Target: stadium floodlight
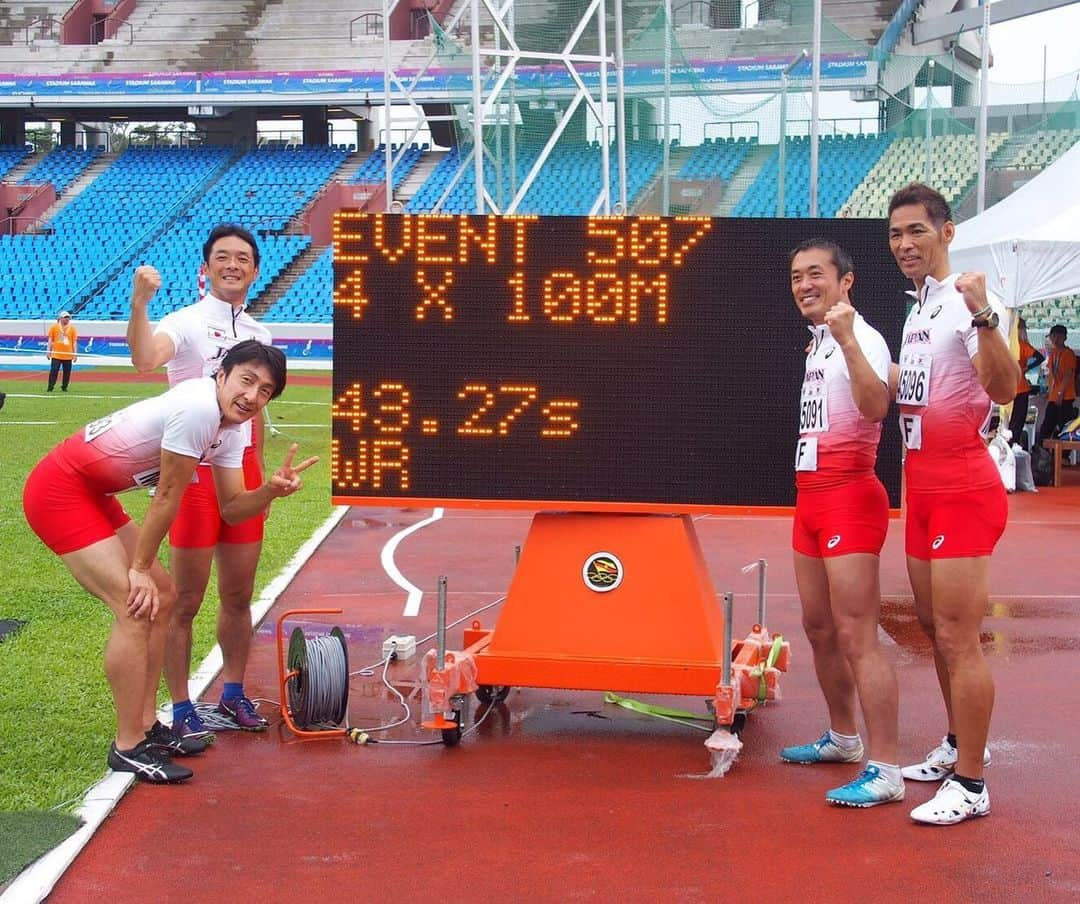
(784, 76)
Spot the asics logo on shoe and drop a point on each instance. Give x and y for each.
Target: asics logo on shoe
(833, 542)
(939, 540)
(150, 770)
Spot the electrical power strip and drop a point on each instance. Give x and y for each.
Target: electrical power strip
(402, 646)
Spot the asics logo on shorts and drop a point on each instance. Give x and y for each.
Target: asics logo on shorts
(833, 542)
(938, 541)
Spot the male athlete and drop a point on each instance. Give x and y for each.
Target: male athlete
(191, 341)
(69, 502)
(954, 364)
(841, 519)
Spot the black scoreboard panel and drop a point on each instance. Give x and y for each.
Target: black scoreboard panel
(581, 363)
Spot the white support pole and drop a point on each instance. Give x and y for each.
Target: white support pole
(984, 103)
(620, 111)
(477, 108)
(665, 208)
(815, 109)
(928, 169)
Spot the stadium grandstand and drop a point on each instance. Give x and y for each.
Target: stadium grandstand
(129, 127)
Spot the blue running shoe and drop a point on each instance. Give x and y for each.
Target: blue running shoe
(823, 750)
(191, 726)
(868, 790)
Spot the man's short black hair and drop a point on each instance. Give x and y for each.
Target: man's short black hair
(224, 230)
(1058, 328)
(840, 258)
(254, 352)
(937, 208)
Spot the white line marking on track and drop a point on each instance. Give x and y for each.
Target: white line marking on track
(415, 594)
(28, 423)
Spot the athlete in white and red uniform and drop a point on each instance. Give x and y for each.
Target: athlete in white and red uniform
(70, 502)
(954, 364)
(190, 342)
(841, 518)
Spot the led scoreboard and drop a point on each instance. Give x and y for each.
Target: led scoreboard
(592, 364)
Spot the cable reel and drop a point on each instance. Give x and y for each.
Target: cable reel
(317, 683)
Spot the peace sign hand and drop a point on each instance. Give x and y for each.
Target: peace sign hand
(286, 480)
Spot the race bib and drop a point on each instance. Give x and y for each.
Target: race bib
(813, 409)
(911, 430)
(914, 385)
(806, 454)
(95, 428)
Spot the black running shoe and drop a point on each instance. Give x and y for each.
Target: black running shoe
(147, 764)
(165, 740)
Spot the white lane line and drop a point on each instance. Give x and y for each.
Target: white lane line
(28, 423)
(415, 594)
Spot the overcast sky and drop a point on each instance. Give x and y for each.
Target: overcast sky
(1018, 46)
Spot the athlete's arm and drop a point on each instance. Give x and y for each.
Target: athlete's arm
(998, 370)
(870, 394)
(149, 350)
(237, 504)
(176, 473)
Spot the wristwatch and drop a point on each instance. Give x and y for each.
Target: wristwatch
(990, 323)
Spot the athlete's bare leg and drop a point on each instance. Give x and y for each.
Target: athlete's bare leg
(856, 602)
(831, 666)
(190, 569)
(102, 570)
(960, 589)
(236, 563)
(919, 575)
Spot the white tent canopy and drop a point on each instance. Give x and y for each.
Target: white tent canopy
(1028, 244)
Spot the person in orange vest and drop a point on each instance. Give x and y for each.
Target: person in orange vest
(1029, 357)
(1061, 388)
(62, 350)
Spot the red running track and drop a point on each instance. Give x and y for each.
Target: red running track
(558, 797)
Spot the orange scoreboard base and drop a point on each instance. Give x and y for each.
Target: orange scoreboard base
(606, 602)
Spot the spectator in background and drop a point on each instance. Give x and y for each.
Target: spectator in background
(1061, 385)
(61, 349)
(1029, 357)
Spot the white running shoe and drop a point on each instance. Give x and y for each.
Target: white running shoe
(940, 763)
(953, 803)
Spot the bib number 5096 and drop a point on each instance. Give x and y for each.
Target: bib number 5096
(912, 387)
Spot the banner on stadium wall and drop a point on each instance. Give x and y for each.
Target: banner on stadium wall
(763, 70)
(94, 83)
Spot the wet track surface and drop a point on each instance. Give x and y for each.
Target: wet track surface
(559, 797)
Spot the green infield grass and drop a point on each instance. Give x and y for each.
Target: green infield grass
(56, 717)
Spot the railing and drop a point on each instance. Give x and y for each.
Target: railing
(47, 28)
(753, 128)
(655, 127)
(371, 25)
(98, 30)
(8, 226)
(693, 12)
(867, 125)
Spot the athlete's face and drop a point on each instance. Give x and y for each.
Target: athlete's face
(920, 248)
(231, 269)
(244, 391)
(816, 285)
